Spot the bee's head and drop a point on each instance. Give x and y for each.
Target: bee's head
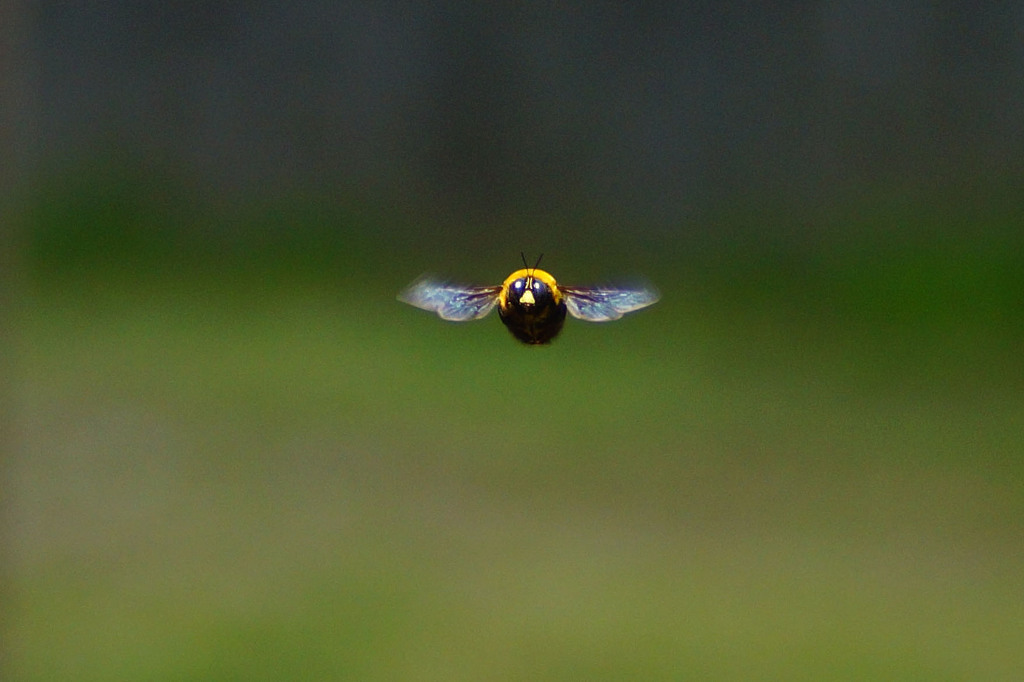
(530, 291)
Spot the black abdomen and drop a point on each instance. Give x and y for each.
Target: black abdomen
(540, 325)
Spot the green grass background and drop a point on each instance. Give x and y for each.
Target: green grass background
(244, 460)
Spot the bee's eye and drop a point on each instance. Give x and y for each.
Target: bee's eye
(518, 286)
(538, 287)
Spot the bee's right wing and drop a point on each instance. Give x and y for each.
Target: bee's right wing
(455, 302)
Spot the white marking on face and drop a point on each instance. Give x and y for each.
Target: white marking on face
(527, 296)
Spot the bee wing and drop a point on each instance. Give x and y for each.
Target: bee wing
(601, 304)
(455, 302)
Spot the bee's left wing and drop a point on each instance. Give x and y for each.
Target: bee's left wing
(601, 304)
(455, 302)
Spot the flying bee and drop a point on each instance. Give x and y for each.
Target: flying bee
(531, 304)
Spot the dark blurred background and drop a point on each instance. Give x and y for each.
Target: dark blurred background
(514, 117)
(230, 454)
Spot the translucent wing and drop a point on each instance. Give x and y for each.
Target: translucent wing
(600, 304)
(455, 302)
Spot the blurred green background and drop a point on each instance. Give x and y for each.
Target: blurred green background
(229, 453)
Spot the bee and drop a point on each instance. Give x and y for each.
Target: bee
(530, 303)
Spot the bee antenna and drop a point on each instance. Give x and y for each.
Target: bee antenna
(523, 256)
(537, 264)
